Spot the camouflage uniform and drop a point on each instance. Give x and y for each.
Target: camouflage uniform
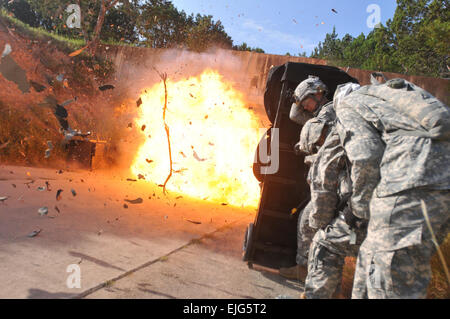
(330, 186)
(392, 168)
(305, 232)
(305, 235)
(307, 88)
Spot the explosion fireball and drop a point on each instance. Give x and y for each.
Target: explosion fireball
(213, 138)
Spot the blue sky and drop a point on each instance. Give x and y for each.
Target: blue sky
(280, 26)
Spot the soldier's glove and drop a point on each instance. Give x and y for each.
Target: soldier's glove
(353, 221)
(290, 96)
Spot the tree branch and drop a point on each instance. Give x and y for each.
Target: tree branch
(163, 76)
(111, 4)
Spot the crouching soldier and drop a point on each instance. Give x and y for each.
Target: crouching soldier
(397, 139)
(313, 91)
(339, 233)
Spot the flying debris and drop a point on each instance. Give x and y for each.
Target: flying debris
(34, 233)
(334, 10)
(43, 211)
(106, 87)
(198, 158)
(193, 222)
(69, 101)
(58, 194)
(2, 146)
(135, 201)
(77, 52)
(7, 50)
(50, 148)
(37, 87)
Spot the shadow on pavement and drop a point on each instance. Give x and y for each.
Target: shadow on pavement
(95, 260)
(42, 294)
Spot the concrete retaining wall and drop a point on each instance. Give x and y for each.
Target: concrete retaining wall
(248, 70)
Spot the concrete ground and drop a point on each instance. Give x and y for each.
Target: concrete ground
(165, 247)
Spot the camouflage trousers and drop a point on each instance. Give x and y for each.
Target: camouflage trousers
(305, 235)
(394, 259)
(327, 255)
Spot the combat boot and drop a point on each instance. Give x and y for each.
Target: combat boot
(297, 272)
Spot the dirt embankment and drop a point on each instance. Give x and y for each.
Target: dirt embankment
(36, 76)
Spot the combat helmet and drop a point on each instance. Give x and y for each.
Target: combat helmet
(310, 86)
(310, 136)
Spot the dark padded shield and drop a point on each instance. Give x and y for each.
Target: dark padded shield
(284, 193)
(295, 73)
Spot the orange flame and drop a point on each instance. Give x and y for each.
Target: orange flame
(213, 138)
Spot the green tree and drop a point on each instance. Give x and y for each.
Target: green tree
(245, 47)
(120, 23)
(422, 30)
(206, 33)
(415, 41)
(22, 11)
(161, 25)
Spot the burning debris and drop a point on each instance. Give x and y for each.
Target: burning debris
(198, 158)
(219, 122)
(77, 52)
(58, 194)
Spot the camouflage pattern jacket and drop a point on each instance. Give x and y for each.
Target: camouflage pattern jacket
(328, 176)
(385, 153)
